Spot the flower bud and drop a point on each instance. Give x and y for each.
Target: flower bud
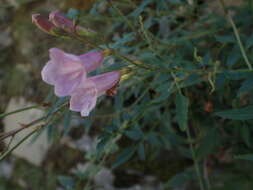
(44, 24)
(59, 20)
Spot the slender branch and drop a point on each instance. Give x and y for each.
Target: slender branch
(193, 153)
(15, 131)
(122, 15)
(206, 176)
(19, 110)
(236, 32)
(20, 142)
(25, 126)
(194, 157)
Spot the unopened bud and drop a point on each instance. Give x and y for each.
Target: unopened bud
(44, 24)
(61, 21)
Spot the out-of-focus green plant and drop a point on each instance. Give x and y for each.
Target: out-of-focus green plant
(188, 97)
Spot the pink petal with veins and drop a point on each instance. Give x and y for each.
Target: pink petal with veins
(64, 71)
(92, 60)
(105, 81)
(84, 98)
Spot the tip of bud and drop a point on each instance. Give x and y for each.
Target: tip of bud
(35, 17)
(61, 21)
(52, 15)
(43, 23)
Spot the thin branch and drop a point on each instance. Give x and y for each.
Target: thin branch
(15, 131)
(19, 110)
(236, 32)
(20, 142)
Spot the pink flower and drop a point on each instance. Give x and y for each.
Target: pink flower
(43, 23)
(84, 97)
(65, 71)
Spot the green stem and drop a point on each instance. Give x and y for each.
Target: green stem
(236, 32)
(20, 142)
(122, 16)
(15, 131)
(194, 157)
(196, 165)
(19, 110)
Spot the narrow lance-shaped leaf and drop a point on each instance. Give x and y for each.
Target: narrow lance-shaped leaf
(124, 156)
(245, 113)
(245, 157)
(182, 104)
(141, 151)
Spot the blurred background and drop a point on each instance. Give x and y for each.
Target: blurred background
(133, 141)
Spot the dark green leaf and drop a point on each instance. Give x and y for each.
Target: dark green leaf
(209, 143)
(245, 132)
(246, 86)
(124, 156)
(245, 157)
(141, 151)
(66, 122)
(181, 179)
(237, 114)
(225, 39)
(134, 133)
(182, 111)
(153, 139)
(67, 182)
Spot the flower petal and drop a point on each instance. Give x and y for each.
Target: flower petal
(68, 62)
(84, 98)
(66, 84)
(105, 81)
(92, 60)
(68, 72)
(48, 73)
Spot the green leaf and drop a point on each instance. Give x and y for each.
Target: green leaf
(153, 139)
(245, 157)
(225, 39)
(237, 114)
(246, 86)
(249, 42)
(141, 151)
(209, 143)
(181, 179)
(124, 156)
(245, 133)
(66, 122)
(233, 56)
(67, 182)
(134, 133)
(182, 104)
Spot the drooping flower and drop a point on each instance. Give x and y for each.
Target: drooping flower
(59, 20)
(66, 71)
(44, 24)
(84, 97)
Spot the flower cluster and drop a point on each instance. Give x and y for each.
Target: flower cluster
(68, 74)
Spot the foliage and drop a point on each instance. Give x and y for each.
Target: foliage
(189, 94)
